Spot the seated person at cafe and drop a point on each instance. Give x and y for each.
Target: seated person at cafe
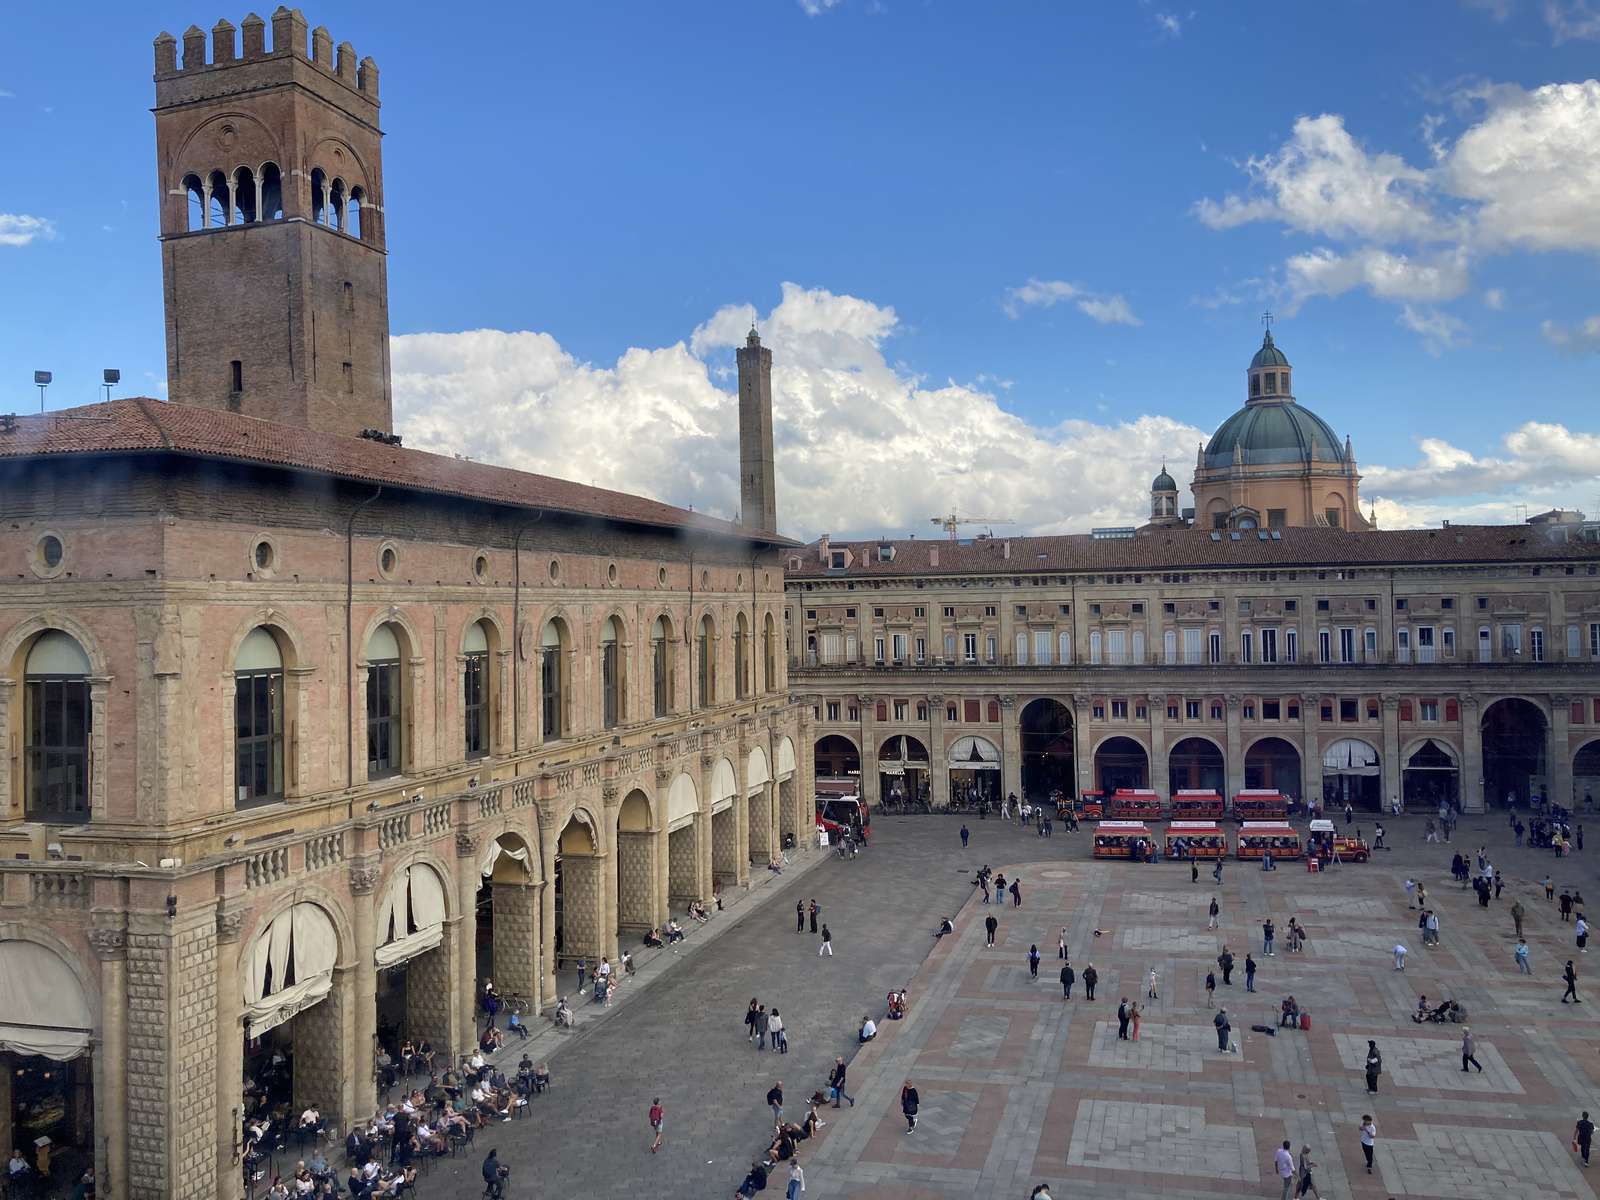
(1291, 1014)
(541, 1077)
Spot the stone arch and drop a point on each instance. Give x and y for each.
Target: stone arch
(1120, 761)
(1352, 774)
(835, 754)
(1047, 748)
(20, 635)
(1586, 771)
(683, 800)
(360, 176)
(724, 785)
(580, 822)
(88, 980)
(431, 860)
(785, 756)
(199, 133)
(305, 893)
(14, 650)
(683, 839)
(580, 887)
(286, 632)
(637, 839)
(410, 647)
(513, 857)
(494, 628)
(1267, 765)
(635, 814)
(1515, 735)
(759, 791)
(1196, 762)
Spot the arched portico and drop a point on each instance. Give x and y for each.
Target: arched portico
(790, 817)
(1272, 762)
(1196, 764)
(683, 841)
(724, 823)
(1121, 762)
(639, 900)
(580, 890)
(759, 816)
(412, 956)
(1047, 749)
(1430, 774)
(1515, 733)
(1352, 774)
(510, 927)
(903, 769)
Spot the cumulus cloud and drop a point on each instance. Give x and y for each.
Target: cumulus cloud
(19, 229)
(863, 446)
(1047, 293)
(1387, 275)
(1540, 454)
(1582, 338)
(1571, 20)
(1494, 298)
(1169, 24)
(815, 8)
(1439, 330)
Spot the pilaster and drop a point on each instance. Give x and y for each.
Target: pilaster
(110, 945)
(364, 982)
(1235, 752)
(938, 754)
(1559, 752)
(1160, 768)
(1082, 759)
(230, 1052)
(1391, 749)
(1471, 756)
(1310, 748)
(1010, 746)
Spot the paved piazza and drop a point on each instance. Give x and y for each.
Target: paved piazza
(1020, 1087)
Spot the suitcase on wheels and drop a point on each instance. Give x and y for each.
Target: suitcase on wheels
(1305, 1021)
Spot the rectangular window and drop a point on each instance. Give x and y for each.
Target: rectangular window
(1064, 649)
(1193, 655)
(1402, 645)
(258, 737)
(1022, 610)
(1425, 647)
(1325, 712)
(973, 712)
(1269, 645)
(1428, 710)
(1191, 710)
(969, 647)
(610, 685)
(1169, 647)
(1246, 646)
(1347, 645)
(922, 649)
(550, 692)
(1277, 518)
(383, 718)
(1249, 712)
(1216, 712)
(1324, 645)
(950, 713)
(1291, 646)
(1369, 641)
(877, 649)
(1405, 710)
(1448, 637)
(1172, 712)
(1293, 711)
(1094, 647)
(475, 703)
(1574, 642)
(1041, 647)
(897, 644)
(837, 561)
(949, 647)
(1065, 609)
(991, 648)
(1119, 710)
(1485, 645)
(1332, 514)
(1022, 649)
(1270, 710)
(922, 711)
(236, 376)
(989, 610)
(901, 708)
(1536, 645)
(1099, 712)
(1349, 710)
(949, 610)
(1137, 653)
(1594, 639)
(660, 674)
(1116, 647)
(1510, 641)
(1215, 647)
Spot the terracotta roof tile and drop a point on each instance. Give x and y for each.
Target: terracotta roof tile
(140, 424)
(1195, 549)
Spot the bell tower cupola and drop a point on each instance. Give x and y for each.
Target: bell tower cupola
(1269, 375)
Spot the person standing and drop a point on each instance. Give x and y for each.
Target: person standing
(1307, 1184)
(1194, 871)
(1016, 893)
(1411, 892)
(1000, 887)
(1067, 980)
(1224, 1029)
(1249, 972)
(750, 1021)
(1211, 988)
(990, 924)
(1151, 994)
(1090, 978)
(1521, 956)
(1061, 946)
(1215, 911)
(827, 942)
(1133, 1015)
(1583, 1135)
(1267, 933)
(1123, 1017)
(1581, 929)
(1283, 1163)
(814, 911)
(1571, 976)
(1564, 905)
(797, 1180)
(1374, 1068)
(908, 1104)
(657, 1122)
(1225, 961)
(1467, 1048)
(836, 1083)
(1216, 871)
(1033, 961)
(799, 916)
(775, 1103)
(763, 1022)
(1369, 1139)
(779, 1039)
(1517, 913)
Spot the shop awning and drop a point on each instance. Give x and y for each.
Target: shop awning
(974, 754)
(42, 1008)
(411, 917)
(1349, 756)
(300, 947)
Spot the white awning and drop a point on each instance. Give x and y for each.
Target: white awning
(302, 938)
(498, 850)
(42, 1008)
(724, 786)
(411, 917)
(683, 802)
(974, 754)
(785, 759)
(1349, 756)
(755, 770)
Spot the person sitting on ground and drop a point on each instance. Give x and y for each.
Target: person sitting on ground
(897, 1004)
(674, 931)
(514, 1023)
(944, 928)
(563, 1016)
(653, 938)
(1422, 1010)
(697, 910)
(754, 1181)
(491, 1040)
(775, 865)
(869, 1030)
(813, 1122)
(1291, 1014)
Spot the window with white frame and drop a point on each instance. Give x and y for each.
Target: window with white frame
(1064, 649)
(1193, 654)
(1138, 647)
(1347, 644)
(922, 649)
(1041, 647)
(1536, 644)
(1511, 641)
(1191, 710)
(1119, 710)
(1324, 645)
(1574, 642)
(833, 710)
(1022, 649)
(1428, 710)
(991, 648)
(922, 711)
(1169, 646)
(1269, 645)
(877, 649)
(1594, 639)
(1426, 649)
(1447, 638)
(1095, 647)
(969, 647)
(1214, 646)
(949, 647)
(1291, 645)
(1247, 641)
(1402, 645)
(897, 644)
(1485, 645)
(1369, 645)
(1116, 647)
(901, 707)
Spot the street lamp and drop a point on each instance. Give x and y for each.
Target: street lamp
(41, 380)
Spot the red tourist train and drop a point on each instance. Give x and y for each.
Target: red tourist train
(1135, 804)
(1201, 839)
(1197, 805)
(1256, 838)
(1120, 839)
(1260, 804)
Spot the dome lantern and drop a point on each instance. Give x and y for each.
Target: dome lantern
(1269, 375)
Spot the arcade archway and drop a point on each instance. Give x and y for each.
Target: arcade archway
(294, 1024)
(508, 930)
(1514, 737)
(1431, 776)
(1047, 750)
(683, 841)
(47, 1031)
(580, 890)
(974, 766)
(1272, 762)
(637, 907)
(1121, 762)
(1195, 764)
(413, 986)
(903, 769)
(724, 823)
(1586, 776)
(838, 760)
(1351, 774)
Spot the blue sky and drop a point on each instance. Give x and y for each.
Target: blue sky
(1026, 241)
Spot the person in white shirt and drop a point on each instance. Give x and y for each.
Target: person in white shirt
(1399, 957)
(775, 1032)
(1283, 1163)
(869, 1029)
(1369, 1137)
(310, 1119)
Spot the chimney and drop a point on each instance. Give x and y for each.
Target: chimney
(933, 554)
(1005, 548)
(822, 548)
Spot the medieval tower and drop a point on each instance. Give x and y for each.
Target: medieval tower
(758, 504)
(272, 226)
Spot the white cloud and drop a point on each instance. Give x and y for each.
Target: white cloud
(1582, 338)
(1439, 330)
(1387, 275)
(5, 95)
(1494, 298)
(18, 229)
(1047, 293)
(815, 8)
(1571, 20)
(1169, 24)
(1538, 454)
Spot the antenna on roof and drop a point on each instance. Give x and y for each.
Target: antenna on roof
(41, 380)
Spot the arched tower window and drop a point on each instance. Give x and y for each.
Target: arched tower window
(352, 224)
(319, 196)
(661, 665)
(707, 662)
(258, 720)
(220, 209)
(741, 657)
(271, 192)
(552, 681)
(384, 699)
(56, 729)
(769, 643)
(245, 197)
(475, 690)
(336, 205)
(611, 673)
(194, 203)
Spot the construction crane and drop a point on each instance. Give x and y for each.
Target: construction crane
(951, 521)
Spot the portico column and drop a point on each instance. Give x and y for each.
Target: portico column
(938, 759)
(230, 1054)
(364, 1022)
(1160, 773)
(1082, 760)
(1471, 756)
(1010, 747)
(611, 802)
(702, 830)
(1235, 761)
(464, 1009)
(549, 841)
(1559, 753)
(741, 818)
(111, 1108)
(1310, 749)
(1391, 750)
(869, 749)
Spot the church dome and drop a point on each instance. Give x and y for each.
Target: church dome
(1269, 355)
(1164, 482)
(1281, 432)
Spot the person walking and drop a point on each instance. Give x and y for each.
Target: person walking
(1283, 1162)
(990, 924)
(1369, 1139)
(1433, 928)
(1467, 1048)
(1211, 988)
(797, 1180)
(1225, 961)
(1123, 1017)
(827, 942)
(1521, 956)
(1564, 905)
(799, 916)
(778, 1039)
(1090, 978)
(908, 1104)
(814, 910)
(1517, 913)
(1061, 946)
(775, 1103)
(1249, 972)
(1268, 931)
(1194, 871)
(965, 834)
(1583, 1135)
(1215, 911)
(1151, 994)
(657, 1122)
(1374, 1067)
(1549, 890)
(1571, 976)
(1307, 1184)
(1224, 1029)
(1067, 979)
(750, 1020)
(1411, 892)
(1033, 962)
(1133, 1015)
(836, 1079)
(1016, 893)
(1581, 929)
(1216, 871)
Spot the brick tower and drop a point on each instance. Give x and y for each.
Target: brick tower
(272, 245)
(758, 504)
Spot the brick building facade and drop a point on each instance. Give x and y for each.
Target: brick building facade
(311, 734)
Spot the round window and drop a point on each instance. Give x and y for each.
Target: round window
(705, 581)
(51, 551)
(265, 555)
(661, 576)
(555, 569)
(611, 573)
(739, 581)
(387, 559)
(480, 567)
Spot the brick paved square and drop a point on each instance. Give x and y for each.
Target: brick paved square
(1166, 1139)
(1432, 1062)
(1160, 1047)
(1481, 1164)
(1170, 939)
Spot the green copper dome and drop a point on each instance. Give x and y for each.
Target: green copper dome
(1269, 355)
(1164, 482)
(1275, 432)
